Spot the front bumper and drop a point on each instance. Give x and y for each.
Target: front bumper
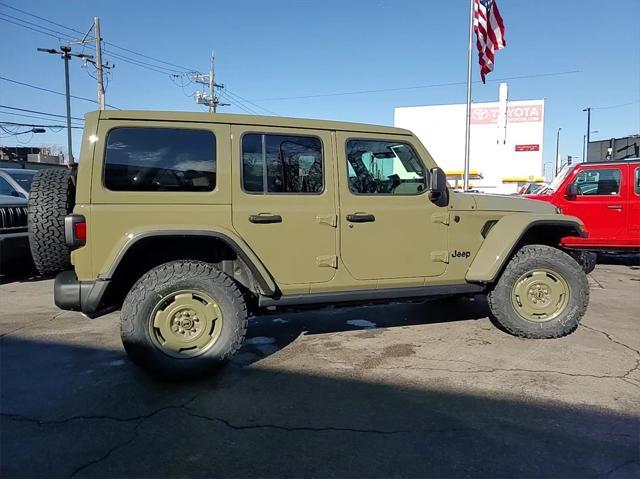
(74, 295)
(15, 254)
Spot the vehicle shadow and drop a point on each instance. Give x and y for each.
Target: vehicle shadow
(624, 259)
(270, 333)
(71, 410)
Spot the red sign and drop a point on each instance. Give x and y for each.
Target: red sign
(515, 114)
(527, 147)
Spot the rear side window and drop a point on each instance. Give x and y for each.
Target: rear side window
(601, 181)
(636, 181)
(282, 164)
(160, 159)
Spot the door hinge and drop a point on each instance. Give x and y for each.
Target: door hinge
(331, 220)
(440, 218)
(440, 256)
(329, 261)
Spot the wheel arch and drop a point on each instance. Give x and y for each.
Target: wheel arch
(522, 229)
(151, 248)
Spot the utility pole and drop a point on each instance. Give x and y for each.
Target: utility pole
(212, 83)
(66, 54)
(211, 100)
(588, 110)
(100, 67)
(96, 29)
(555, 161)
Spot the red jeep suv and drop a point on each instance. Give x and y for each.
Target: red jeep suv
(606, 197)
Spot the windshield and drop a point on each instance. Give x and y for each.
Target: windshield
(23, 178)
(557, 181)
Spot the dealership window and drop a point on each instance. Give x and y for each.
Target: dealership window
(600, 181)
(282, 164)
(160, 159)
(384, 167)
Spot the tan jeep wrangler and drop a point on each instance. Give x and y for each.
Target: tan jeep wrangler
(189, 222)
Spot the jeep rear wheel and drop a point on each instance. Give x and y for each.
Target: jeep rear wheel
(51, 198)
(542, 293)
(183, 319)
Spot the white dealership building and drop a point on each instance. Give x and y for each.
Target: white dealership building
(506, 140)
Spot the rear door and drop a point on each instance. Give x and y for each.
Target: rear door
(600, 203)
(284, 202)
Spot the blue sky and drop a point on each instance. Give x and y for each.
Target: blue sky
(276, 48)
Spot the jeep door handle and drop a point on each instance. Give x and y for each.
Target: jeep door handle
(262, 219)
(614, 207)
(360, 218)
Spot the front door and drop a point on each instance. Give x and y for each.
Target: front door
(600, 203)
(388, 227)
(284, 200)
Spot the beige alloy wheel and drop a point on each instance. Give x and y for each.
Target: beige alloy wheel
(540, 295)
(186, 323)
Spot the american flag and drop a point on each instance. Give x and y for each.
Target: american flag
(489, 29)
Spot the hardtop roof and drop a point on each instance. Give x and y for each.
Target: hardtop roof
(258, 120)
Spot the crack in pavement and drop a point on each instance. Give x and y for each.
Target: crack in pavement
(319, 429)
(618, 467)
(624, 377)
(139, 420)
(31, 323)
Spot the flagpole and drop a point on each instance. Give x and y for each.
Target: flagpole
(465, 181)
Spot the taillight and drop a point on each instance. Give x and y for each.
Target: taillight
(75, 230)
(80, 231)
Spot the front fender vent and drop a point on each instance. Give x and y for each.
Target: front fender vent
(487, 227)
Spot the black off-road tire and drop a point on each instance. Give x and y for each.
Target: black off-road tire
(163, 280)
(532, 257)
(587, 259)
(51, 198)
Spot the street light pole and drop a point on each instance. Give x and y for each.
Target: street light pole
(65, 54)
(66, 57)
(557, 150)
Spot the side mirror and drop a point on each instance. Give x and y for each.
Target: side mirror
(16, 194)
(438, 188)
(572, 190)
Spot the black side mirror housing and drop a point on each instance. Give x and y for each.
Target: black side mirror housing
(438, 188)
(572, 190)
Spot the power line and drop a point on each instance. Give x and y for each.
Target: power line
(41, 18)
(106, 43)
(229, 92)
(39, 112)
(415, 87)
(61, 127)
(23, 115)
(611, 107)
(51, 91)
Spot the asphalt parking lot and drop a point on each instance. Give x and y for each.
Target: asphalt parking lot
(430, 389)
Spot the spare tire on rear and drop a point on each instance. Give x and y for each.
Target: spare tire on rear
(51, 198)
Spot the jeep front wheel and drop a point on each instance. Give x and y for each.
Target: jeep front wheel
(542, 293)
(183, 319)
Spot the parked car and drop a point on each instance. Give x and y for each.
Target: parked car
(14, 239)
(533, 188)
(190, 222)
(16, 182)
(606, 197)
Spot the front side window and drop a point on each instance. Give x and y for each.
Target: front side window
(160, 159)
(636, 181)
(384, 167)
(282, 164)
(601, 182)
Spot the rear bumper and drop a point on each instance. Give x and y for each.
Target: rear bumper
(71, 294)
